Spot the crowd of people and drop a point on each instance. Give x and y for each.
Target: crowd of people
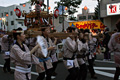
(78, 50)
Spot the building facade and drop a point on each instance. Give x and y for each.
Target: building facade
(110, 12)
(8, 18)
(86, 15)
(59, 25)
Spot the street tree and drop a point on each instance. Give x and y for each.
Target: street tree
(72, 6)
(95, 17)
(33, 2)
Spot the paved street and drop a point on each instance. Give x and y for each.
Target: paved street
(104, 70)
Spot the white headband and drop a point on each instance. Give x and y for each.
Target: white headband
(18, 31)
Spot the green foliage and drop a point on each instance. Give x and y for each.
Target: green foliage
(33, 2)
(95, 17)
(96, 14)
(72, 5)
(72, 18)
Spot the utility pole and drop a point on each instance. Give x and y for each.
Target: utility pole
(47, 6)
(53, 17)
(62, 17)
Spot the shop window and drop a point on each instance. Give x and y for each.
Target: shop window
(89, 17)
(5, 13)
(1, 24)
(2, 14)
(20, 23)
(7, 23)
(12, 22)
(84, 17)
(11, 13)
(80, 18)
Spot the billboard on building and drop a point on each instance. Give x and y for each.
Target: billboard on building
(93, 24)
(113, 9)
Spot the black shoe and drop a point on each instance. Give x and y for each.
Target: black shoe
(11, 72)
(93, 77)
(4, 70)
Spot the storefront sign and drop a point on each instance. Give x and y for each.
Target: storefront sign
(113, 9)
(93, 24)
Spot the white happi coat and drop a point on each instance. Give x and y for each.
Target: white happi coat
(114, 46)
(92, 47)
(22, 59)
(5, 46)
(53, 54)
(39, 54)
(69, 48)
(80, 47)
(4, 43)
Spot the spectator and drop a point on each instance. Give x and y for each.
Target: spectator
(107, 55)
(114, 46)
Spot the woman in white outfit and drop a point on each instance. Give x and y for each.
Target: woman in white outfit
(22, 57)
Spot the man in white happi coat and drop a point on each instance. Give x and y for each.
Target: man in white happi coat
(69, 56)
(81, 54)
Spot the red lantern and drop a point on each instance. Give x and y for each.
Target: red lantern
(56, 13)
(49, 8)
(7, 15)
(85, 8)
(24, 5)
(66, 8)
(0, 19)
(18, 12)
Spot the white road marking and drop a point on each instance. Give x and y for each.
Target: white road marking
(97, 70)
(104, 68)
(105, 73)
(34, 73)
(105, 61)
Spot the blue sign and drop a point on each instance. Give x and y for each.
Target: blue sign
(60, 9)
(72, 25)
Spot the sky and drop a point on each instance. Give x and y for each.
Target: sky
(91, 4)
